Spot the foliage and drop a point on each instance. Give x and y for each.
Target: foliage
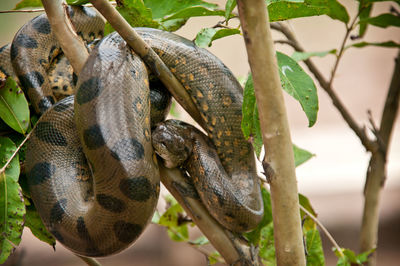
(16, 210)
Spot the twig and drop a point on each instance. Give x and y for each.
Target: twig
(342, 48)
(369, 145)
(3, 169)
(275, 132)
(149, 57)
(323, 228)
(89, 261)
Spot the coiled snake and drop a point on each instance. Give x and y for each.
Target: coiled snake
(91, 166)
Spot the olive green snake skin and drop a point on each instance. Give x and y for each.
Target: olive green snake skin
(91, 165)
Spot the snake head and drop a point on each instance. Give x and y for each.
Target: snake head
(172, 142)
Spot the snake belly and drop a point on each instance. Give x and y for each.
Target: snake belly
(228, 183)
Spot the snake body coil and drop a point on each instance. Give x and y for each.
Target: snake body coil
(91, 167)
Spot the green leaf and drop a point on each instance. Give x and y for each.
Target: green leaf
(14, 109)
(299, 85)
(77, 2)
(206, 35)
(213, 258)
(135, 13)
(388, 44)
(267, 248)
(363, 257)
(315, 252)
(308, 223)
(164, 10)
(250, 119)
(33, 221)
(383, 21)
(255, 235)
(196, 11)
(229, 6)
(350, 258)
(200, 241)
(301, 56)
(301, 156)
(28, 3)
(364, 8)
(170, 219)
(12, 208)
(284, 10)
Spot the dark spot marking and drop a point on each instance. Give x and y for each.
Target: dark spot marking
(31, 80)
(93, 137)
(3, 48)
(74, 79)
(55, 88)
(127, 149)
(13, 52)
(57, 211)
(127, 232)
(186, 191)
(110, 203)
(88, 90)
(138, 188)
(45, 104)
(57, 235)
(42, 25)
(45, 131)
(82, 230)
(93, 251)
(229, 214)
(40, 173)
(23, 40)
(244, 226)
(65, 88)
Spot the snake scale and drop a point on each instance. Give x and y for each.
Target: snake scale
(91, 165)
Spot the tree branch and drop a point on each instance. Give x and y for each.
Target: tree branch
(72, 46)
(149, 57)
(327, 87)
(229, 246)
(275, 132)
(376, 173)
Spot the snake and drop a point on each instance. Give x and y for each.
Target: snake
(91, 161)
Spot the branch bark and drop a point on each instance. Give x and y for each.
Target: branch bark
(376, 173)
(279, 158)
(149, 57)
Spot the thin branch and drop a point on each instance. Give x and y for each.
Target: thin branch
(323, 228)
(342, 48)
(275, 132)
(3, 169)
(369, 144)
(149, 57)
(89, 261)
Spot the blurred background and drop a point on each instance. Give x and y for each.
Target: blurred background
(333, 179)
